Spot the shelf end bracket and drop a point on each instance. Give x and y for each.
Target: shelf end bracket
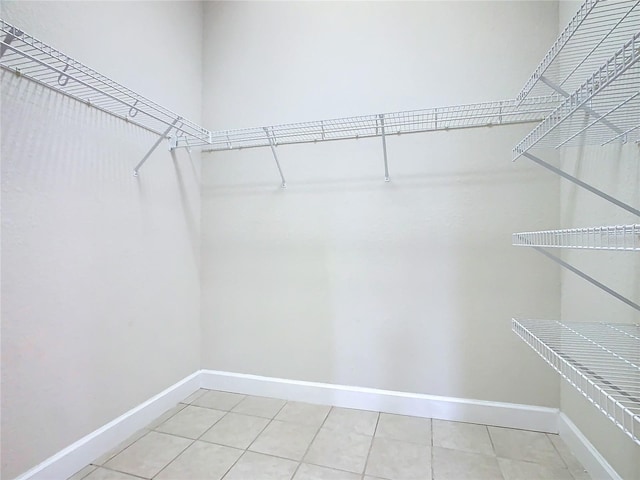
(384, 148)
(155, 145)
(272, 144)
(582, 184)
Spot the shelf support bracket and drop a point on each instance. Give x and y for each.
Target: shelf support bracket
(155, 145)
(8, 38)
(586, 277)
(384, 147)
(589, 110)
(272, 144)
(582, 184)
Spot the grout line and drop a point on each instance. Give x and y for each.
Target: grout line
(557, 451)
(118, 452)
(312, 440)
(366, 460)
(122, 471)
(432, 448)
(175, 458)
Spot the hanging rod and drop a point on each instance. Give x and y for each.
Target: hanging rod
(593, 35)
(29, 57)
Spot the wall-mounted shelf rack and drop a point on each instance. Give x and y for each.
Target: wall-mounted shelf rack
(29, 57)
(601, 360)
(487, 114)
(617, 237)
(605, 108)
(602, 45)
(506, 112)
(593, 34)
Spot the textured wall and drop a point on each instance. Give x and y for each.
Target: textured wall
(341, 277)
(100, 270)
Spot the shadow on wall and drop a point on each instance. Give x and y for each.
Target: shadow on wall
(91, 154)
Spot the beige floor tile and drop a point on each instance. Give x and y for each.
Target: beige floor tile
(114, 451)
(399, 460)
(519, 470)
(314, 472)
(219, 400)
(256, 466)
(259, 406)
(570, 460)
(80, 474)
(304, 413)
(462, 436)
(191, 422)
(284, 439)
(202, 461)
(348, 420)
(404, 428)
(235, 430)
(458, 465)
(340, 450)
(166, 416)
(195, 395)
(147, 456)
(105, 474)
(525, 445)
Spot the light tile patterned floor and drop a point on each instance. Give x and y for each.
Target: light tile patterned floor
(219, 435)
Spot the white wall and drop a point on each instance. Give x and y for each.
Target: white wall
(100, 270)
(342, 278)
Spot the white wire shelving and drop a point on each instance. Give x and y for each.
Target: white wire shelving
(506, 112)
(601, 360)
(593, 35)
(604, 109)
(617, 237)
(29, 57)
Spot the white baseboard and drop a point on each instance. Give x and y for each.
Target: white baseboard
(526, 417)
(584, 451)
(79, 454)
(68, 461)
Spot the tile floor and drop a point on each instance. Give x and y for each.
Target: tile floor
(220, 435)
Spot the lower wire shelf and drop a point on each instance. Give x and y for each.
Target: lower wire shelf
(601, 360)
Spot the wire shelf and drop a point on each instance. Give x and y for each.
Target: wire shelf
(618, 237)
(601, 360)
(434, 119)
(606, 108)
(593, 35)
(29, 57)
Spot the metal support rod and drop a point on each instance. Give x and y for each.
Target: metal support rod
(586, 277)
(384, 148)
(155, 145)
(275, 156)
(582, 184)
(589, 110)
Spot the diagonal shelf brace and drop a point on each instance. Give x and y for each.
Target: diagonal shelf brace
(384, 147)
(275, 156)
(582, 184)
(584, 107)
(155, 145)
(586, 277)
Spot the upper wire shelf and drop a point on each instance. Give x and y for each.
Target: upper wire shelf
(617, 237)
(29, 57)
(434, 119)
(593, 35)
(601, 360)
(604, 109)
